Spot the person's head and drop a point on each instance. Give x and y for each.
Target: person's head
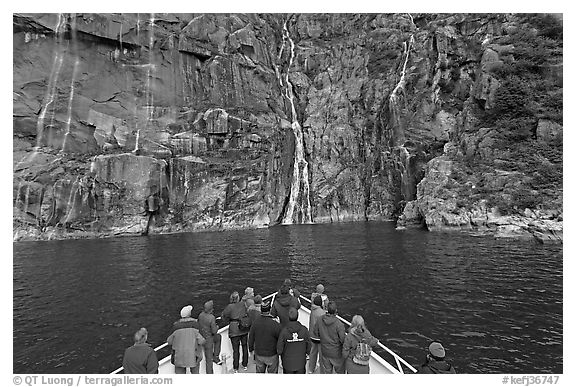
(317, 300)
(284, 289)
(249, 292)
(258, 299)
(331, 308)
(292, 314)
(186, 311)
(249, 303)
(288, 282)
(265, 309)
(140, 336)
(320, 288)
(357, 324)
(209, 306)
(234, 297)
(436, 351)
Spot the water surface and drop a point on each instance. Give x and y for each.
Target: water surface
(495, 304)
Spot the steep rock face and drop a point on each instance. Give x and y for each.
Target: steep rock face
(199, 112)
(501, 172)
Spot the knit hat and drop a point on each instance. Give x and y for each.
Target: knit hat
(258, 299)
(265, 307)
(317, 300)
(437, 350)
(320, 288)
(186, 311)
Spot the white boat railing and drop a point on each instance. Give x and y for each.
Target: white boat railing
(399, 360)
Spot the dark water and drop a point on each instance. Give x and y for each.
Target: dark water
(496, 305)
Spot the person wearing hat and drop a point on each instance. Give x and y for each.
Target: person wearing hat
(140, 358)
(232, 314)
(209, 330)
(186, 342)
(262, 340)
(435, 363)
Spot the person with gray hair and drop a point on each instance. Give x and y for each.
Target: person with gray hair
(140, 358)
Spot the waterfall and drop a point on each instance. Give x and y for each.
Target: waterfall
(50, 97)
(74, 71)
(149, 75)
(298, 208)
(402, 81)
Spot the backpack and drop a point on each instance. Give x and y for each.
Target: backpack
(362, 354)
(244, 322)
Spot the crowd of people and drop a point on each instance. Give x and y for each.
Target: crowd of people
(271, 333)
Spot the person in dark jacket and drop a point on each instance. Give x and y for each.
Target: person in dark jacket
(316, 311)
(357, 333)
(209, 330)
(186, 342)
(293, 345)
(140, 358)
(231, 315)
(283, 302)
(332, 333)
(262, 339)
(258, 302)
(435, 363)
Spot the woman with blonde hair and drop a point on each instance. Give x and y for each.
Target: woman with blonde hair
(357, 347)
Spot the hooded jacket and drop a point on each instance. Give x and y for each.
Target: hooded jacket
(293, 345)
(140, 359)
(263, 336)
(282, 303)
(353, 338)
(186, 342)
(316, 313)
(433, 366)
(331, 332)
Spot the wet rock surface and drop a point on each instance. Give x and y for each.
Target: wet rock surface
(194, 111)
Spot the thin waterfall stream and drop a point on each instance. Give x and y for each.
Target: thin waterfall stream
(298, 207)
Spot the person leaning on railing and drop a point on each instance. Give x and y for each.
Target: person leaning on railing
(357, 334)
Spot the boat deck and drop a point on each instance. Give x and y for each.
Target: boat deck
(377, 364)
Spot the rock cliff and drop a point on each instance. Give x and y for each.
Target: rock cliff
(450, 122)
